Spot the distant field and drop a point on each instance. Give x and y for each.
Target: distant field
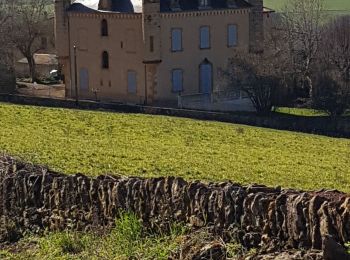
(143, 145)
(342, 6)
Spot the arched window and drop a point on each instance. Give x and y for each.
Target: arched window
(105, 60)
(104, 28)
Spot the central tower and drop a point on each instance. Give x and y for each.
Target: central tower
(151, 26)
(62, 39)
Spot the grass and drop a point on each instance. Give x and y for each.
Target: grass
(304, 111)
(96, 143)
(300, 111)
(342, 6)
(127, 240)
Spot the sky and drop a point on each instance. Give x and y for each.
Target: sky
(94, 4)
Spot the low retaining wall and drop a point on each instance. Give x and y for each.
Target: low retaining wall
(339, 127)
(34, 198)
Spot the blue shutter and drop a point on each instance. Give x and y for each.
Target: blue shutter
(176, 39)
(232, 35)
(177, 80)
(205, 37)
(206, 78)
(84, 79)
(132, 83)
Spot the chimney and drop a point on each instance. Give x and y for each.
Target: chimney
(256, 26)
(105, 5)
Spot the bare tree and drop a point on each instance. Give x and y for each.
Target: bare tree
(28, 27)
(5, 41)
(333, 88)
(4, 13)
(302, 22)
(261, 76)
(255, 75)
(336, 46)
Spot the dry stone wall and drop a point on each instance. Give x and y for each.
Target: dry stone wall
(34, 198)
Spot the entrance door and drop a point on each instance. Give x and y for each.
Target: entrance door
(206, 77)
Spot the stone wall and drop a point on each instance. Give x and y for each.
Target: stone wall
(35, 198)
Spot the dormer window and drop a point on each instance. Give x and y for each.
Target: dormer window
(231, 4)
(175, 5)
(204, 4)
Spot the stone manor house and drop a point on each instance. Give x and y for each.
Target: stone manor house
(158, 52)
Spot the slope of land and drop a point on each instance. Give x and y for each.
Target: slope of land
(341, 6)
(100, 142)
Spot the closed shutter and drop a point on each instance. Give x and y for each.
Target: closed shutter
(176, 39)
(132, 82)
(177, 80)
(84, 79)
(232, 35)
(205, 37)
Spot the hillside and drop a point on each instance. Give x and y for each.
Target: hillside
(143, 145)
(342, 6)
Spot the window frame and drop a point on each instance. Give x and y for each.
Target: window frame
(228, 36)
(172, 80)
(200, 37)
(171, 39)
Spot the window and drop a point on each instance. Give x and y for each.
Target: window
(177, 80)
(205, 37)
(151, 44)
(104, 28)
(105, 60)
(84, 79)
(232, 35)
(132, 82)
(176, 39)
(204, 4)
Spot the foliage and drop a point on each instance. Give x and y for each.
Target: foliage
(347, 246)
(96, 143)
(127, 240)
